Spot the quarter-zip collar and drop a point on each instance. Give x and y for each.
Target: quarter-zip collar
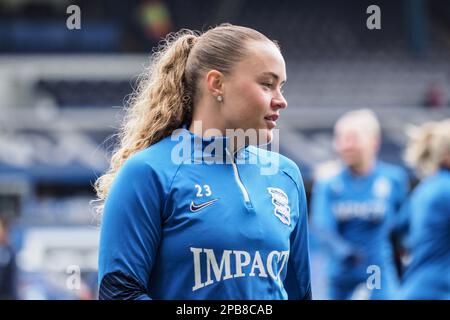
(214, 150)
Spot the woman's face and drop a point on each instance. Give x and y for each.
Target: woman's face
(252, 92)
(354, 147)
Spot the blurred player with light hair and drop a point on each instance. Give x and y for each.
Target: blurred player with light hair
(427, 276)
(352, 209)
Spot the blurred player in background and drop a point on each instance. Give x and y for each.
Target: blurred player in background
(427, 211)
(351, 212)
(198, 230)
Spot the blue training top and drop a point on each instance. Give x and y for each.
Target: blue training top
(178, 225)
(428, 274)
(352, 215)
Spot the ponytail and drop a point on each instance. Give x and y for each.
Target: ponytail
(160, 105)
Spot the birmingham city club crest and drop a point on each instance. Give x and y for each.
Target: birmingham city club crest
(281, 208)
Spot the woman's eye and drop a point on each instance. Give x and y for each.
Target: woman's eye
(268, 85)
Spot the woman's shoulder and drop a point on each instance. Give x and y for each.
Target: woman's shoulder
(156, 158)
(395, 172)
(267, 156)
(432, 191)
(438, 184)
(278, 162)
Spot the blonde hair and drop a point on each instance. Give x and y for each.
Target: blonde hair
(427, 146)
(168, 89)
(363, 120)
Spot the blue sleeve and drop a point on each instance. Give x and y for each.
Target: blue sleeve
(399, 227)
(430, 223)
(298, 277)
(321, 207)
(130, 232)
(398, 223)
(402, 188)
(324, 225)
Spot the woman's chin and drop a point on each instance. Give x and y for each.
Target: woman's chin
(265, 136)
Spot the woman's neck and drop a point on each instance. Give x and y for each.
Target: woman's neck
(235, 143)
(363, 168)
(206, 121)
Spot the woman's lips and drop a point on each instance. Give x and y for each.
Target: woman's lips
(271, 120)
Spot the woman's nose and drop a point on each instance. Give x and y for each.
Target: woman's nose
(279, 102)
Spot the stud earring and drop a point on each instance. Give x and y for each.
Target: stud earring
(219, 98)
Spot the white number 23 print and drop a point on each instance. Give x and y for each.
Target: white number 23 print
(205, 191)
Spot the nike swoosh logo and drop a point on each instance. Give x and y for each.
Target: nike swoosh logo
(197, 207)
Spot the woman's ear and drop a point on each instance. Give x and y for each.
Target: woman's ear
(446, 160)
(214, 83)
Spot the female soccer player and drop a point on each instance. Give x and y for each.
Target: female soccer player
(427, 276)
(352, 210)
(185, 214)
